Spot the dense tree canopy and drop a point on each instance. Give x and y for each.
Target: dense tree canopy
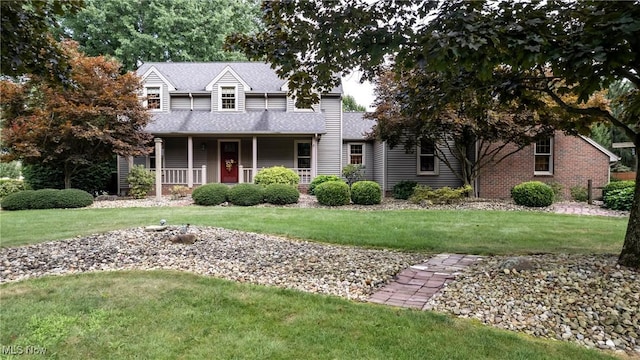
(349, 104)
(26, 43)
(160, 30)
(524, 51)
(96, 115)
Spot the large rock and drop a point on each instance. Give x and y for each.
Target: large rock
(518, 263)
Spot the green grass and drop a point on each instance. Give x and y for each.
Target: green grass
(473, 232)
(172, 315)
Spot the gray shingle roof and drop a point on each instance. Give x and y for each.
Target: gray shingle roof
(354, 126)
(250, 122)
(195, 76)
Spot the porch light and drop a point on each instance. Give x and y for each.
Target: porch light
(203, 147)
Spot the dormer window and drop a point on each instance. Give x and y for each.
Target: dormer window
(154, 98)
(228, 98)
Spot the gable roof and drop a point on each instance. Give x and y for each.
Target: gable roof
(612, 157)
(354, 126)
(195, 76)
(152, 69)
(250, 122)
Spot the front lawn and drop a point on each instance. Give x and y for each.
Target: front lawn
(172, 315)
(471, 232)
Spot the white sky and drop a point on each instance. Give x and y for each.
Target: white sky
(363, 93)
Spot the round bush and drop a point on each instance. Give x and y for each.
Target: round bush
(276, 175)
(47, 199)
(74, 198)
(333, 193)
(246, 195)
(281, 194)
(619, 199)
(210, 194)
(10, 186)
(617, 185)
(532, 194)
(366, 193)
(19, 201)
(404, 189)
(321, 179)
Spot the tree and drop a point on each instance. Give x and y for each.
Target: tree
(551, 48)
(160, 30)
(349, 104)
(27, 44)
(96, 115)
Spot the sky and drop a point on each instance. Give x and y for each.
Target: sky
(363, 93)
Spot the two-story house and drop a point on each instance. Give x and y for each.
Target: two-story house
(223, 122)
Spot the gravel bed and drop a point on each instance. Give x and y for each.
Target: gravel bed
(586, 299)
(345, 271)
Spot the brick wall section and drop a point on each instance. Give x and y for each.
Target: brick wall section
(574, 162)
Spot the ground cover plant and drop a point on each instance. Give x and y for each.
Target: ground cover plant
(164, 314)
(471, 232)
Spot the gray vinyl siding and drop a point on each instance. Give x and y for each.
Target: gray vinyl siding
(246, 152)
(181, 102)
(379, 154)
(330, 145)
(154, 80)
(275, 152)
(255, 103)
(277, 103)
(291, 105)
(402, 166)
(228, 80)
(175, 152)
(202, 103)
(369, 165)
(123, 171)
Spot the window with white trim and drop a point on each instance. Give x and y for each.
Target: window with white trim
(356, 153)
(427, 162)
(154, 97)
(303, 155)
(228, 98)
(543, 155)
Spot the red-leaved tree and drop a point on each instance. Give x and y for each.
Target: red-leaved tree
(98, 113)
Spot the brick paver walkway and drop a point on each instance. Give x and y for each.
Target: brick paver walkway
(414, 286)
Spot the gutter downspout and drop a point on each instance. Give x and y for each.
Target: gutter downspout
(191, 97)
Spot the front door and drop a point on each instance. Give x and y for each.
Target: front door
(228, 161)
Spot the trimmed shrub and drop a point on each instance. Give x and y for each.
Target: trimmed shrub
(281, 194)
(579, 193)
(276, 175)
(246, 194)
(619, 199)
(21, 200)
(141, 181)
(617, 185)
(210, 194)
(90, 178)
(74, 198)
(353, 173)
(47, 199)
(333, 193)
(443, 195)
(532, 194)
(366, 193)
(10, 186)
(404, 189)
(321, 179)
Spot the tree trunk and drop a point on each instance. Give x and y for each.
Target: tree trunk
(630, 255)
(67, 176)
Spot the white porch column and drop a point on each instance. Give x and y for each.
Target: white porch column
(158, 168)
(314, 156)
(204, 174)
(254, 160)
(190, 161)
(240, 174)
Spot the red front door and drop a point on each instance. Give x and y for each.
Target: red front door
(228, 162)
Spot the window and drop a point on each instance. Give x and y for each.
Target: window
(356, 154)
(303, 154)
(543, 154)
(427, 161)
(228, 98)
(153, 98)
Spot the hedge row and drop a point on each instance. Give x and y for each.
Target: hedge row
(245, 194)
(47, 199)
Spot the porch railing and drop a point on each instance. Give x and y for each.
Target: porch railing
(247, 174)
(178, 176)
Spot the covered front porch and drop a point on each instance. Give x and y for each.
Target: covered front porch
(195, 160)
